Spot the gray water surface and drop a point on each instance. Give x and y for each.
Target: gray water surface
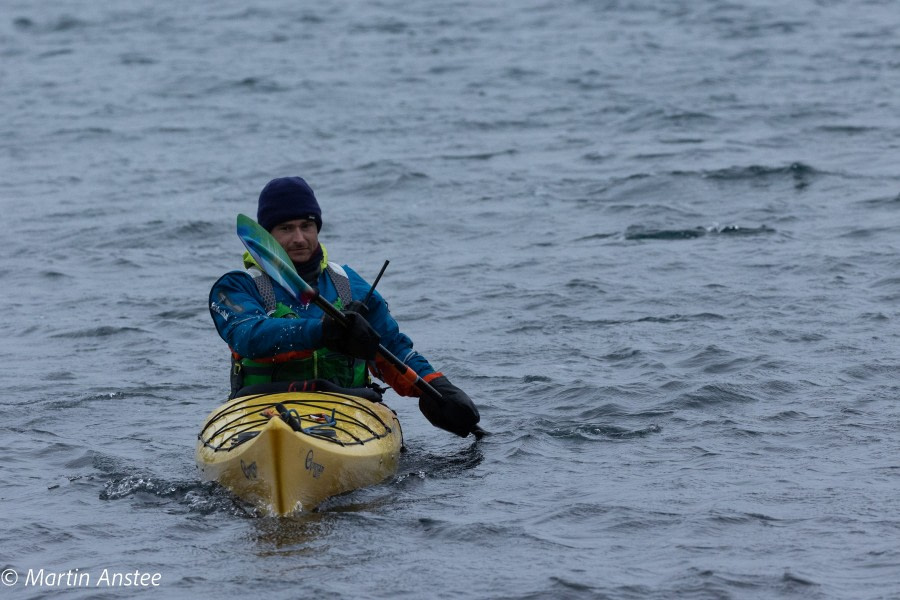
(656, 242)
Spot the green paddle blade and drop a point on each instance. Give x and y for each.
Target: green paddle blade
(269, 254)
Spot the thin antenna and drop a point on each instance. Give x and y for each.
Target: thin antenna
(377, 279)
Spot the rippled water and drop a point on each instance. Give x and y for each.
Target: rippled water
(656, 242)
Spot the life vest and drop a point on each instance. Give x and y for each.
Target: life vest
(323, 363)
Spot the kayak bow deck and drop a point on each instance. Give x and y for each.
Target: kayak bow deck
(290, 451)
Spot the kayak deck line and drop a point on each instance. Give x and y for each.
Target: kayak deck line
(289, 451)
(318, 429)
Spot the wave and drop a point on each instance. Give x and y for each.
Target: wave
(193, 229)
(384, 175)
(882, 202)
(711, 395)
(595, 432)
(642, 232)
(102, 331)
(136, 58)
(480, 155)
(846, 129)
(148, 235)
(123, 481)
(55, 275)
(663, 119)
(440, 466)
(60, 24)
(79, 134)
(196, 497)
(262, 85)
(181, 314)
(801, 173)
(678, 318)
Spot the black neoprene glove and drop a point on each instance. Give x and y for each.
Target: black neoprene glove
(356, 338)
(358, 307)
(454, 412)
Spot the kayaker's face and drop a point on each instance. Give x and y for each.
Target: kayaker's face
(299, 238)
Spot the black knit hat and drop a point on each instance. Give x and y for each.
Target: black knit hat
(285, 199)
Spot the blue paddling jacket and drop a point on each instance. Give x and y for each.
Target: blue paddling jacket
(280, 339)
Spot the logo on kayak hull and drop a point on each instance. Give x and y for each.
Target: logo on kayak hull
(249, 470)
(312, 466)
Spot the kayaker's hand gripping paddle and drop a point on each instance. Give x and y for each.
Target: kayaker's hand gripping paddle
(273, 259)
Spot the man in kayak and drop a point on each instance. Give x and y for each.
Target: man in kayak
(278, 343)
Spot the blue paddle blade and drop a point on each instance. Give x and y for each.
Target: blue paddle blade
(269, 254)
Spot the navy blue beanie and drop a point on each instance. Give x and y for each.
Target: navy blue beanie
(286, 199)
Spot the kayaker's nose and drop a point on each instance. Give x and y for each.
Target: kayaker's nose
(295, 237)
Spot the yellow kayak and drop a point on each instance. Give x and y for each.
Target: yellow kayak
(288, 452)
